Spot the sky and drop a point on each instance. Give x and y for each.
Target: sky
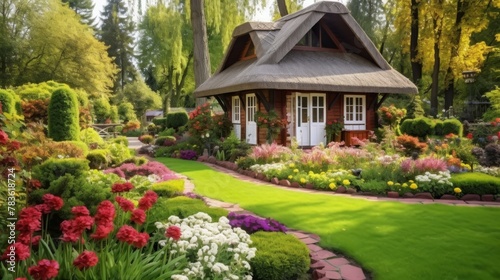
(263, 15)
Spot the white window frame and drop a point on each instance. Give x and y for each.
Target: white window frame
(355, 114)
(236, 109)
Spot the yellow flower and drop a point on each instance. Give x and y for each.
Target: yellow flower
(332, 186)
(390, 183)
(397, 184)
(302, 180)
(413, 186)
(322, 173)
(291, 165)
(290, 176)
(457, 190)
(405, 185)
(411, 181)
(295, 171)
(346, 182)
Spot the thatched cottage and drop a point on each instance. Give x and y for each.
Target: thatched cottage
(313, 67)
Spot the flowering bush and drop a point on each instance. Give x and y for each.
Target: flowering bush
(146, 139)
(188, 154)
(252, 224)
(213, 250)
(272, 122)
(391, 115)
(410, 144)
(267, 153)
(412, 167)
(437, 184)
(129, 170)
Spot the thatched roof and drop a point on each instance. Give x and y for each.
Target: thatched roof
(277, 65)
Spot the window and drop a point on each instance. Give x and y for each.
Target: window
(354, 109)
(236, 109)
(319, 36)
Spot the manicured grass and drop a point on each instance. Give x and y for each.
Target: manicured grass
(393, 240)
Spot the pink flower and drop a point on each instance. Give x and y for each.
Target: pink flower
(125, 204)
(138, 216)
(121, 187)
(141, 240)
(80, 211)
(173, 232)
(21, 252)
(127, 234)
(3, 137)
(46, 269)
(102, 231)
(148, 200)
(105, 212)
(52, 202)
(85, 260)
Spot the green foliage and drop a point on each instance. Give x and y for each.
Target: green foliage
(161, 122)
(51, 169)
(101, 109)
(415, 109)
(182, 207)
(176, 119)
(373, 186)
(140, 95)
(169, 188)
(476, 183)
(439, 127)
(64, 115)
(8, 101)
(76, 145)
(119, 140)
(113, 114)
(420, 127)
(40, 91)
(167, 132)
(161, 140)
(279, 256)
(90, 136)
(245, 162)
(99, 158)
(453, 126)
(119, 153)
(126, 112)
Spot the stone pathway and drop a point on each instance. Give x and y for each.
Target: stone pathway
(325, 265)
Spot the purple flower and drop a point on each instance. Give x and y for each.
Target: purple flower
(128, 170)
(188, 154)
(251, 224)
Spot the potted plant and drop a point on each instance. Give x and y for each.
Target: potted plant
(272, 122)
(333, 130)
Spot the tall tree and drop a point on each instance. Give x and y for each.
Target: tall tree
(200, 43)
(116, 32)
(368, 13)
(84, 9)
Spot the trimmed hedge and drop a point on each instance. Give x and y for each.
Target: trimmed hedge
(453, 126)
(419, 127)
(64, 117)
(161, 122)
(169, 188)
(176, 120)
(279, 256)
(53, 168)
(99, 158)
(476, 183)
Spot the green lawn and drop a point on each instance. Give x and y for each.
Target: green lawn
(393, 240)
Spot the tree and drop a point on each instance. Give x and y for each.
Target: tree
(116, 32)
(52, 44)
(84, 9)
(141, 97)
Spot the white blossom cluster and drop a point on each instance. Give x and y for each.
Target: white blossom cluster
(493, 171)
(264, 168)
(214, 250)
(442, 178)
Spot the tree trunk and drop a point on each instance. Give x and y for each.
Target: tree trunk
(200, 42)
(416, 66)
(282, 8)
(438, 27)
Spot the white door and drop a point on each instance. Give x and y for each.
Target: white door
(251, 125)
(236, 116)
(310, 119)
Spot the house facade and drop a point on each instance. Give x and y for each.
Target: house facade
(312, 67)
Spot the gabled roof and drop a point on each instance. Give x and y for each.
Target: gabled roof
(278, 65)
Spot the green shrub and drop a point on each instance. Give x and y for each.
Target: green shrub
(119, 153)
(422, 127)
(476, 183)
(176, 120)
(169, 188)
(245, 162)
(161, 122)
(8, 101)
(64, 115)
(279, 256)
(72, 149)
(99, 158)
(453, 126)
(53, 168)
(80, 145)
(38, 91)
(438, 128)
(101, 109)
(91, 136)
(182, 207)
(119, 140)
(167, 132)
(160, 141)
(137, 160)
(126, 112)
(373, 186)
(406, 127)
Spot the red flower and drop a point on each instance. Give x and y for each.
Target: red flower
(125, 204)
(20, 252)
(35, 184)
(80, 211)
(3, 137)
(141, 240)
(14, 145)
(148, 200)
(102, 231)
(121, 187)
(84, 222)
(173, 232)
(469, 135)
(105, 212)
(53, 202)
(138, 216)
(127, 234)
(46, 269)
(28, 226)
(35, 240)
(31, 212)
(70, 231)
(85, 260)
(20, 278)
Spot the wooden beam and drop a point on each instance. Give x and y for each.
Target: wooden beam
(223, 102)
(262, 98)
(242, 99)
(374, 101)
(381, 100)
(333, 101)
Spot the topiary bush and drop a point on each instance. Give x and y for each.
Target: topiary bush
(476, 183)
(453, 126)
(165, 141)
(53, 168)
(176, 119)
(8, 101)
(279, 256)
(422, 127)
(101, 109)
(160, 122)
(169, 188)
(439, 128)
(91, 137)
(99, 158)
(64, 123)
(119, 153)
